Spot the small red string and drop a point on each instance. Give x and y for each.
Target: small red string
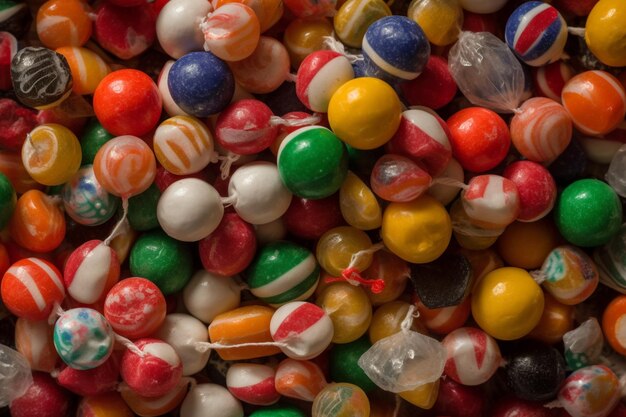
(353, 274)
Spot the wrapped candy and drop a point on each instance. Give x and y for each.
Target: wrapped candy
(616, 175)
(15, 376)
(583, 345)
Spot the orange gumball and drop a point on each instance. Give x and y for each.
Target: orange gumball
(444, 320)
(37, 223)
(556, 320)
(11, 166)
(614, 324)
(64, 23)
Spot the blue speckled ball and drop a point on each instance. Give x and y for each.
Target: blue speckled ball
(201, 84)
(395, 47)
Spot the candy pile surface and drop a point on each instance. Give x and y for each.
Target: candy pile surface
(323, 208)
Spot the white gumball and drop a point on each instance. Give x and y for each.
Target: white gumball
(178, 26)
(206, 400)
(207, 295)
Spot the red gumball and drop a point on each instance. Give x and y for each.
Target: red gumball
(435, 86)
(127, 102)
(8, 48)
(476, 22)
(44, 398)
(576, 7)
(480, 139)
(515, 407)
(15, 123)
(310, 219)
(156, 372)
(128, 3)
(126, 32)
(456, 400)
(230, 248)
(536, 189)
(99, 380)
(164, 178)
(245, 128)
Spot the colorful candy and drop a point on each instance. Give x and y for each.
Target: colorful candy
(44, 397)
(440, 20)
(344, 365)
(87, 68)
(535, 187)
(231, 32)
(155, 406)
(491, 201)
(177, 26)
(212, 399)
(33, 339)
(355, 16)
(472, 356)
(550, 79)
(605, 34)
(305, 36)
(556, 321)
(320, 74)
(341, 400)
(208, 295)
(570, 275)
(590, 391)
(86, 201)
(103, 404)
(252, 383)
(310, 219)
(359, 206)
(398, 179)
(349, 309)
(299, 379)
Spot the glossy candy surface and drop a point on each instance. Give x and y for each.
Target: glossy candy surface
(207, 295)
(491, 201)
(571, 276)
(231, 32)
(441, 20)
(550, 79)
(590, 391)
(341, 400)
(87, 68)
(245, 127)
(349, 310)
(63, 23)
(299, 379)
(535, 187)
(605, 34)
(359, 206)
(37, 223)
(265, 70)
(33, 339)
(320, 74)
(398, 179)
(252, 383)
(355, 17)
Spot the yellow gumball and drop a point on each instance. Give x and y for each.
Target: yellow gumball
(507, 303)
(387, 320)
(418, 231)
(336, 247)
(359, 205)
(349, 309)
(514, 248)
(605, 32)
(365, 113)
(355, 16)
(423, 396)
(441, 20)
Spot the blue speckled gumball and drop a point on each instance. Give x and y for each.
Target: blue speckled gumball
(201, 84)
(395, 48)
(537, 33)
(86, 201)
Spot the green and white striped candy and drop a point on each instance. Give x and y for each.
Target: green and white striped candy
(283, 272)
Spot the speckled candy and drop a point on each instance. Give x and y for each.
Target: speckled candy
(86, 201)
(95, 381)
(536, 189)
(590, 392)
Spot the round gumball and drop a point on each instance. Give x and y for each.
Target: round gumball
(423, 137)
(142, 209)
(596, 102)
(445, 194)
(472, 356)
(349, 309)
(398, 179)
(92, 139)
(155, 406)
(336, 248)
(480, 139)
(299, 379)
(434, 88)
(135, 307)
(33, 339)
(183, 332)
(515, 407)
(245, 127)
(590, 391)
(230, 248)
(359, 205)
(83, 338)
(231, 32)
(87, 68)
(613, 323)
(556, 321)
(178, 26)
(183, 145)
(491, 201)
(482, 6)
(354, 17)
(37, 223)
(41, 78)
(320, 74)
(550, 79)
(392, 270)
(343, 398)
(570, 275)
(201, 84)
(268, 12)
(90, 271)
(365, 113)
(537, 33)
(152, 371)
(536, 189)
(107, 404)
(605, 32)
(44, 398)
(303, 329)
(170, 106)
(11, 166)
(507, 303)
(304, 37)
(63, 23)
(387, 321)
(541, 129)
(344, 365)
(86, 201)
(447, 319)
(469, 235)
(312, 162)
(126, 32)
(282, 272)
(252, 383)
(189, 210)
(125, 166)
(207, 295)
(265, 70)
(588, 213)
(311, 9)
(310, 219)
(456, 400)
(210, 399)
(127, 102)
(513, 244)
(17, 120)
(441, 21)
(91, 382)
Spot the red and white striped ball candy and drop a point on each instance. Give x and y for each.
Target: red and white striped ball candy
(536, 188)
(541, 129)
(550, 79)
(244, 127)
(302, 380)
(304, 327)
(252, 383)
(444, 320)
(319, 76)
(31, 287)
(156, 372)
(472, 356)
(491, 201)
(423, 137)
(91, 271)
(135, 307)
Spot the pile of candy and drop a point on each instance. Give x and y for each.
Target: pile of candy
(312, 207)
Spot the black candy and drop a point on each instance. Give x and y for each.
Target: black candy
(443, 282)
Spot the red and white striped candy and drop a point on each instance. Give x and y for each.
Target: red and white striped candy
(252, 383)
(244, 127)
(304, 327)
(550, 79)
(491, 201)
(91, 271)
(319, 76)
(31, 287)
(302, 380)
(423, 137)
(472, 356)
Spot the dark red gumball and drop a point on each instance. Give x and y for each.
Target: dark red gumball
(619, 411)
(8, 48)
(515, 407)
(536, 189)
(164, 178)
(310, 219)
(126, 32)
(576, 7)
(456, 400)
(435, 86)
(244, 127)
(99, 380)
(128, 3)
(127, 102)
(475, 22)
(230, 248)
(15, 123)
(158, 5)
(44, 398)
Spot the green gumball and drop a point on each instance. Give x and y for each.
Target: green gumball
(94, 136)
(278, 411)
(344, 366)
(142, 209)
(8, 199)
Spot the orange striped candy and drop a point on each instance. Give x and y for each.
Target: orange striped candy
(444, 320)
(33, 339)
(64, 23)
(265, 70)
(11, 166)
(31, 287)
(87, 68)
(299, 379)
(231, 32)
(267, 11)
(37, 223)
(125, 166)
(183, 145)
(596, 101)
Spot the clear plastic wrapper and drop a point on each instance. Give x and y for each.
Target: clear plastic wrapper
(616, 175)
(583, 345)
(15, 375)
